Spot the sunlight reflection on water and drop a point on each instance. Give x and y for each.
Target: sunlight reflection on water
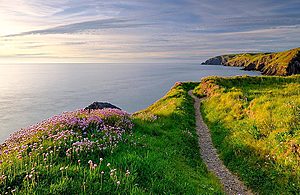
(30, 93)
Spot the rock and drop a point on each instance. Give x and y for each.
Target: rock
(218, 60)
(101, 105)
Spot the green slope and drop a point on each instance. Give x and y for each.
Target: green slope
(158, 155)
(279, 63)
(255, 125)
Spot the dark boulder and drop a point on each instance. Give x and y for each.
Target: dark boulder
(101, 105)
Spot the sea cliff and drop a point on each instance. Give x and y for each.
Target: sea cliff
(279, 63)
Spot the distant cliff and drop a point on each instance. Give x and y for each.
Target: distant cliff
(279, 63)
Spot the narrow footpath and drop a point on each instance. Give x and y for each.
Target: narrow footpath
(230, 182)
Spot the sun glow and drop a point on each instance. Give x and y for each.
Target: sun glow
(140, 31)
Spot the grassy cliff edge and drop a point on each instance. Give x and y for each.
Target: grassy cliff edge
(155, 151)
(279, 63)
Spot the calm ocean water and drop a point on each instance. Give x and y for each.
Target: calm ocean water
(31, 93)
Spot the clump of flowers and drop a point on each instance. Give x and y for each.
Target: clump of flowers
(85, 129)
(66, 140)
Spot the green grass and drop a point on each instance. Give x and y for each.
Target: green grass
(172, 164)
(160, 152)
(255, 123)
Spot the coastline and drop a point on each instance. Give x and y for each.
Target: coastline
(158, 144)
(22, 105)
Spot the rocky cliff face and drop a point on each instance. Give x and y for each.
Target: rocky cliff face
(279, 63)
(294, 65)
(218, 60)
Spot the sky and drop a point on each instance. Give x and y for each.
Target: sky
(135, 31)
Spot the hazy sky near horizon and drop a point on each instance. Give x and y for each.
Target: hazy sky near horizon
(143, 30)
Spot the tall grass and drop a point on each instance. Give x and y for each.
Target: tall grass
(255, 123)
(172, 164)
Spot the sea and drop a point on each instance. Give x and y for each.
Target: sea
(30, 93)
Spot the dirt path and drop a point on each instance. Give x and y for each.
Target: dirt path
(230, 182)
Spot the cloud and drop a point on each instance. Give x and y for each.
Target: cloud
(140, 30)
(85, 26)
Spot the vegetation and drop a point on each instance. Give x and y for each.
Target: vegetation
(280, 63)
(68, 153)
(255, 123)
(155, 151)
(172, 164)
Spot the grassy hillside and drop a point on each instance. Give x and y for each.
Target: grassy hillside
(110, 152)
(255, 124)
(280, 63)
